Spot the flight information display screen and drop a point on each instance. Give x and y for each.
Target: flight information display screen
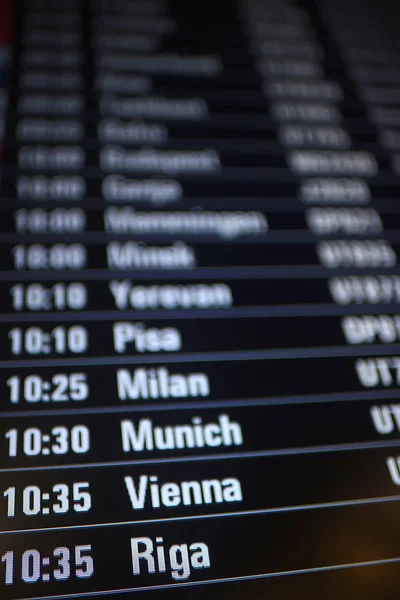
(199, 299)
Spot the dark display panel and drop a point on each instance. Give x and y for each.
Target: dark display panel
(199, 299)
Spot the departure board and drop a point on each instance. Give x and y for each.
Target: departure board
(200, 299)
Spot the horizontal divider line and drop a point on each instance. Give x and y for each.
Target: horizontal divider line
(215, 118)
(280, 175)
(329, 568)
(235, 312)
(226, 356)
(210, 457)
(199, 273)
(239, 513)
(250, 143)
(273, 237)
(290, 204)
(266, 240)
(234, 146)
(363, 396)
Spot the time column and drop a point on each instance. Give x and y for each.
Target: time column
(44, 155)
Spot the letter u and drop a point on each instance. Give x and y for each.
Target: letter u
(367, 372)
(394, 469)
(382, 419)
